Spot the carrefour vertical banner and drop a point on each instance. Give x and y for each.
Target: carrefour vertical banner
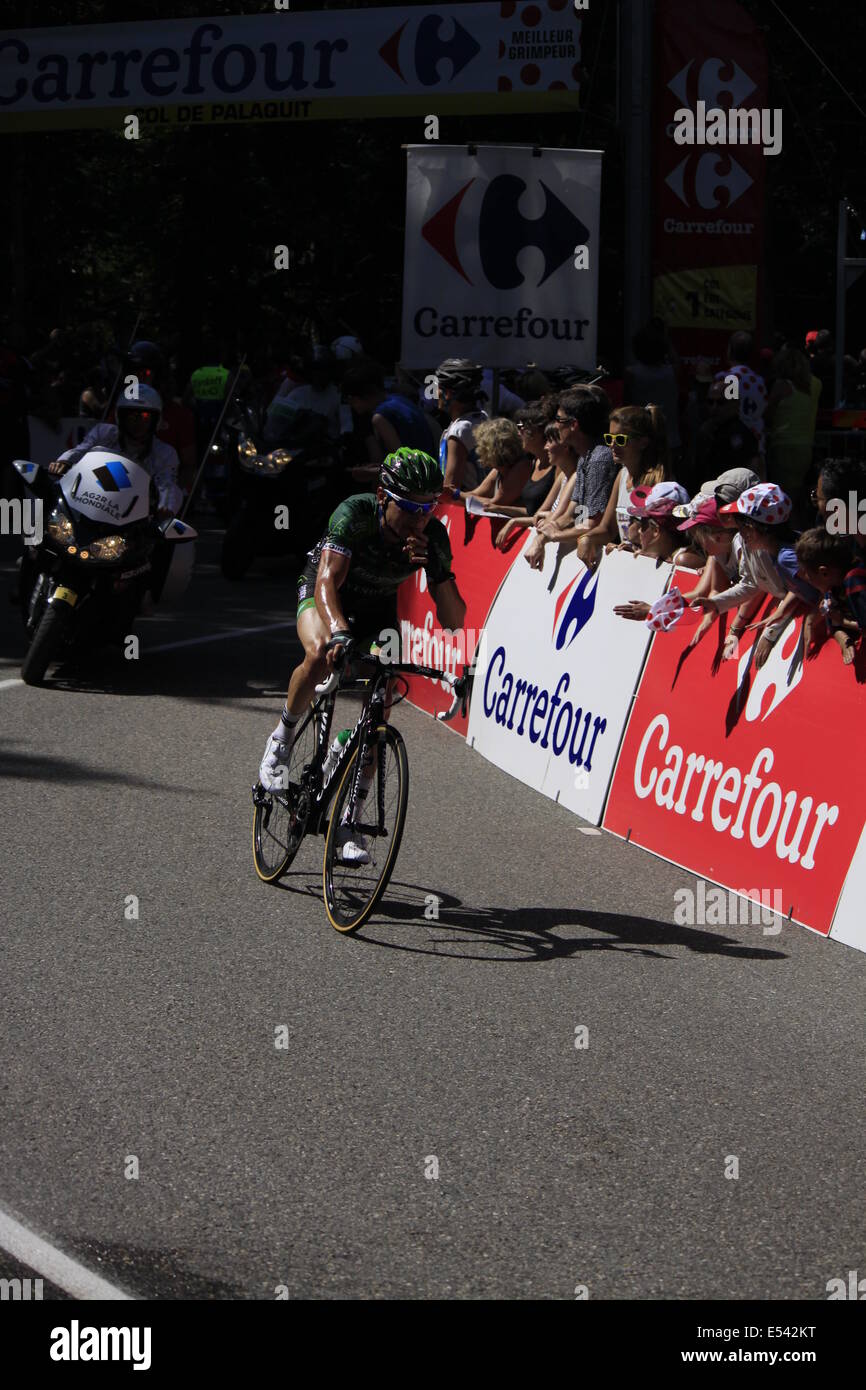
(501, 258)
(708, 242)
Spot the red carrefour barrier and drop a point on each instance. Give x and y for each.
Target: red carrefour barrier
(751, 778)
(480, 569)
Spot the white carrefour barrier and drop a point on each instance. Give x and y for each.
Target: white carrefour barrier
(849, 922)
(554, 686)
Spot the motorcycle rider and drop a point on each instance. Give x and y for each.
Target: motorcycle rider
(134, 436)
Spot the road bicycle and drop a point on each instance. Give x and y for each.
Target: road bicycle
(318, 793)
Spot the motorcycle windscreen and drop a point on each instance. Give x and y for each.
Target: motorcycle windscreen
(107, 487)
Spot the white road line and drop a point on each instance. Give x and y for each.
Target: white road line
(214, 637)
(193, 642)
(34, 1252)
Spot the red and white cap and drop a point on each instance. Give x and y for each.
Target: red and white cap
(765, 502)
(656, 501)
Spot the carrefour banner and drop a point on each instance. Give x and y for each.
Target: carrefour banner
(715, 131)
(479, 568)
(727, 769)
(287, 66)
(557, 672)
(501, 255)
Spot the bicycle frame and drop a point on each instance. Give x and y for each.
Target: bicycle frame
(371, 716)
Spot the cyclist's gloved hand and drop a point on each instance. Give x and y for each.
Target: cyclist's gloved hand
(339, 649)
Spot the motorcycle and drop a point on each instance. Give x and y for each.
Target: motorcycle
(283, 498)
(83, 582)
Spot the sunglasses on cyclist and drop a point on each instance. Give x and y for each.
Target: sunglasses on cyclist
(619, 439)
(406, 506)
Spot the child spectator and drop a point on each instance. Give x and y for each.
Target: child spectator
(653, 509)
(767, 564)
(713, 535)
(838, 571)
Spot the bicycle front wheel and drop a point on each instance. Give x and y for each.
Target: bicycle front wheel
(351, 891)
(280, 817)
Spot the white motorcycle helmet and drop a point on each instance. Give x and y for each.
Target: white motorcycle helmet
(147, 399)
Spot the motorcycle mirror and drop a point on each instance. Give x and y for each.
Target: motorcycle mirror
(176, 530)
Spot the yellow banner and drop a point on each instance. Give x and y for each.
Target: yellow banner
(153, 118)
(715, 297)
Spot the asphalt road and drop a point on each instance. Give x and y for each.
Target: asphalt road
(418, 1040)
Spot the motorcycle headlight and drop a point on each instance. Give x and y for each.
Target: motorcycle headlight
(108, 548)
(275, 462)
(60, 528)
(266, 465)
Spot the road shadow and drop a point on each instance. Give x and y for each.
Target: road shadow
(69, 773)
(520, 934)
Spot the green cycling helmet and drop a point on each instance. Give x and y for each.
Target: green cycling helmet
(408, 471)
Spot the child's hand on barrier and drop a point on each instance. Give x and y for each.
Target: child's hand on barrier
(762, 652)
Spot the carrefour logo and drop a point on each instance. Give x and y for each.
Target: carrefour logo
(504, 231)
(578, 612)
(429, 49)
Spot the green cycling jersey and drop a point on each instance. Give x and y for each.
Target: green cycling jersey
(376, 570)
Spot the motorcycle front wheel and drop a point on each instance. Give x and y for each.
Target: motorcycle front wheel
(47, 642)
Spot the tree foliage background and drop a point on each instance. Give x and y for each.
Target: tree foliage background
(181, 225)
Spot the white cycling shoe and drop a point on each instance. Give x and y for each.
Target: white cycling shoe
(352, 847)
(274, 772)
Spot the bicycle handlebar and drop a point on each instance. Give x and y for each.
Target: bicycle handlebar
(460, 685)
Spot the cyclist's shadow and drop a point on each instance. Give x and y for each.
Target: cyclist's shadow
(433, 923)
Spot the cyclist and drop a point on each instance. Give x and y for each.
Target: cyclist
(348, 592)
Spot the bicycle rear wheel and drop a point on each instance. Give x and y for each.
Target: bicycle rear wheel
(352, 892)
(280, 817)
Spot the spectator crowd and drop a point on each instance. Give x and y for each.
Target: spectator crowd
(714, 472)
